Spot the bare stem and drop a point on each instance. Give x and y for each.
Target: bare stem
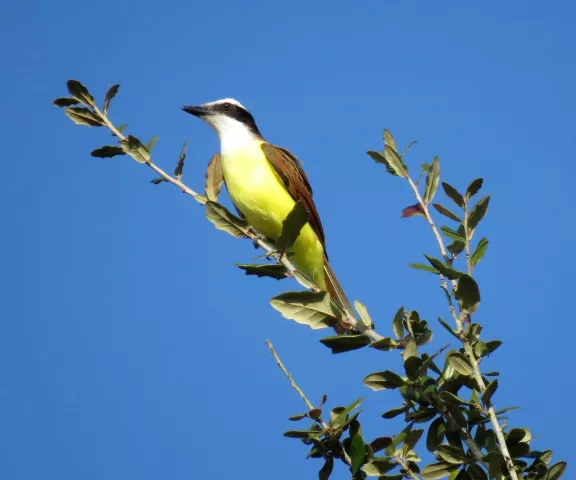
(349, 319)
(293, 383)
(467, 238)
(400, 461)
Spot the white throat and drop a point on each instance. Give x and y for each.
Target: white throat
(233, 134)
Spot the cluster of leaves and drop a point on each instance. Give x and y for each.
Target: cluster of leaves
(453, 401)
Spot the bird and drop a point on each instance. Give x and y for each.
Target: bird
(264, 181)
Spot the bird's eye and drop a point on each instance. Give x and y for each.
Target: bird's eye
(227, 106)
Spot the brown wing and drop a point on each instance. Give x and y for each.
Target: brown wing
(289, 169)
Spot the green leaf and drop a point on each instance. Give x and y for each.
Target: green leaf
(363, 312)
(180, 165)
(410, 349)
(412, 366)
(444, 269)
(475, 472)
(412, 439)
(380, 443)
(474, 187)
(224, 220)
(427, 268)
(468, 293)
(389, 139)
(110, 94)
(378, 466)
(480, 251)
(395, 161)
(447, 213)
(326, 470)
(438, 470)
(384, 380)
(150, 144)
(456, 248)
(83, 116)
(435, 434)
(214, 177)
(477, 213)
(299, 433)
(408, 147)
(307, 308)
(424, 338)
(460, 363)
(451, 399)
(345, 343)
(491, 346)
(134, 147)
(65, 102)
(453, 194)
(397, 323)
(80, 93)
(356, 451)
(507, 409)
(386, 344)
(424, 167)
(107, 151)
(452, 454)
(295, 418)
(265, 270)
(489, 391)
(157, 181)
(519, 450)
(556, 471)
(452, 234)
(291, 226)
(432, 180)
(394, 412)
(448, 327)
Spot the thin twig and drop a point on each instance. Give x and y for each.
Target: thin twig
(400, 461)
(293, 383)
(349, 318)
(467, 238)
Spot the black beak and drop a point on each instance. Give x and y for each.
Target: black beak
(198, 111)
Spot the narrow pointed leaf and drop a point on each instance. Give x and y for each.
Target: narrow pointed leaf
(389, 139)
(437, 470)
(180, 164)
(326, 470)
(448, 327)
(380, 158)
(345, 343)
(385, 344)
(110, 94)
(435, 434)
(395, 161)
(452, 234)
(453, 194)
(107, 151)
(444, 269)
(150, 144)
(224, 220)
(468, 293)
(460, 363)
(474, 187)
(265, 270)
(426, 268)
(134, 147)
(380, 443)
(452, 454)
(479, 251)
(432, 180)
(80, 93)
(291, 226)
(477, 213)
(397, 323)
(83, 116)
(307, 308)
(214, 177)
(489, 392)
(65, 102)
(121, 128)
(394, 412)
(447, 213)
(475, 472)
(556, 471)
(357, 452)
(363, 312)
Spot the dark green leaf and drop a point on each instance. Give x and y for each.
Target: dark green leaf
(157, 181)
(478, 212)
(491, 346)
(468, 293)
(224, 220)
(389, 139)
(65, 102)
(427, 268)
(556, 471)
(412, 366)
(378, 466)
(460, 419)
(410, 349)
(432, 180)
(395, 161)
(295, 418)
(214, 177)
(460, 363)
(489, 391)
(452, 454)
(494, 460)
(384, 380)
(307, 308)
(435, 434)
(110, 94)
(447, 213)
(424, 415)
(265, 270)
(445, 270)
(438, 470)
(453, 194)
(150, 144)
(345, 343)
(480, 251)
(424, 338)
(357, 452)
(394, 412)
(507, 409)
(134, 147)
(456, 248)
(519, 449)
(474, 187)
(315, 413)
(475, 472)
(380, 443)
(451, 399)
(326, 470)
(291, 226)
(180, 165)
(107, 151)
(397, 323)
(448, 327)
(299, 433)
(412, 439)
(80, 93)
(83, 116)
(424, 167)
(379, 158)
(386, 344)
(452, 234)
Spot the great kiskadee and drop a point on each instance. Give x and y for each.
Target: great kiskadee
(264, 181)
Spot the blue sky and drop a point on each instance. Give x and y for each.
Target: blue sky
(129, 345)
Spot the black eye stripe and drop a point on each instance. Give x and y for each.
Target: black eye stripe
(238, 113)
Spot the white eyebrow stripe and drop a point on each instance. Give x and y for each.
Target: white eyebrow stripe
(225, 100)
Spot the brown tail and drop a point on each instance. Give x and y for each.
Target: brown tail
(336, 292)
